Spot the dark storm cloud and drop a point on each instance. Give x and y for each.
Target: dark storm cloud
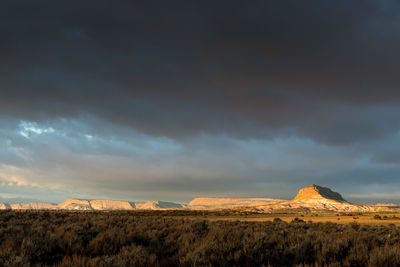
(177, 69)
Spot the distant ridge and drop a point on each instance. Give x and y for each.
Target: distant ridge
(102, 204)
(205, 203)
(312, 197)
(93, 204)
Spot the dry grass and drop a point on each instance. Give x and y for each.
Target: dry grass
(341, 218)
(184, 238)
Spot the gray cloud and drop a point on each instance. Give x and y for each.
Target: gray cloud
(199, 94)
(72, 157)
(249, 71)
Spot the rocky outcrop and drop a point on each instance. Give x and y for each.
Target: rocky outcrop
(313, 198)
(326, 204)
(75, 204)
(212, 203)
(4, 206)
(157, 205)
(28, 206)
(32, 206)
(317, 192)
(94, 204)
(316, 197)
(99, 204)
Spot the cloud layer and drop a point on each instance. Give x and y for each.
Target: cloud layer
(156, 99)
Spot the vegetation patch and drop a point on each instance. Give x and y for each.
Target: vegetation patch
(168, 238)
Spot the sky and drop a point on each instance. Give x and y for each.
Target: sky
(171, 100)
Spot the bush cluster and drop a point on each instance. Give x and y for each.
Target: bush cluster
(61, 238)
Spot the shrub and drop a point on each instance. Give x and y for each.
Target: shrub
(297, 220)
(179, 238)
(355, 226)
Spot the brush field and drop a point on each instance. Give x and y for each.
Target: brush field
(191, 238)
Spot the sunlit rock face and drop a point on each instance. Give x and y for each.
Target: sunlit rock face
(32, 206)
(75, 204)
(157, 205)
(99, 204)
(317, 192)
(326, 204)
(213, 203)
(315, 197)
(312, 198)
(4, 206)
(96, 204)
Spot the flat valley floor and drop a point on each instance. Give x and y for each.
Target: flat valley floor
(370, 218)
(198, 238)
